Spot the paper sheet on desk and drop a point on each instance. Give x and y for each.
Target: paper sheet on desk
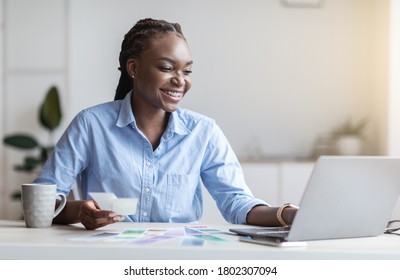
(108, 201)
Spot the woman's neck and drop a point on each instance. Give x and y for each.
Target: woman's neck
(151, 121)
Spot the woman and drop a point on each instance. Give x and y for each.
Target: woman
(142, 145)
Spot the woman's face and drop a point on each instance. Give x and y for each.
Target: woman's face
(162, 72)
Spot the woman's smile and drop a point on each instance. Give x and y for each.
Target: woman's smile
(174, 95)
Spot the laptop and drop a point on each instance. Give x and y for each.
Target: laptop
(346, 197)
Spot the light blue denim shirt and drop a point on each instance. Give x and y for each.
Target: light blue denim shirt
(105, 149)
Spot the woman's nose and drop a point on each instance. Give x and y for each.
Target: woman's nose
(178, 80)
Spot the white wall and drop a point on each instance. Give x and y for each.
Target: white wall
(35, 59)
(2, 167)
(394, 87)
(394, 81)
(274, 78)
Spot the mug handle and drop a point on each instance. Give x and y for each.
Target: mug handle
(62, 204)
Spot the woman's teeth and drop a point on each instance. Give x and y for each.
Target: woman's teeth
(173, 94)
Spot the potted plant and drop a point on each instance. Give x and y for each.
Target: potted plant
(349, 137)
(49, 118)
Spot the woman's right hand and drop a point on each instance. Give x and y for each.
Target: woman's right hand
(92, 217)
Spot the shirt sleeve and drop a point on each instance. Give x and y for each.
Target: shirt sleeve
(223, 177)
(69, 157)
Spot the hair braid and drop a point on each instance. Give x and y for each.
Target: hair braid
(135, 42)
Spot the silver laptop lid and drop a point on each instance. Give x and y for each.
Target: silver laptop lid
(347, 197)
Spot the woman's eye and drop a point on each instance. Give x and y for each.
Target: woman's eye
(166, 68)
(187, 71)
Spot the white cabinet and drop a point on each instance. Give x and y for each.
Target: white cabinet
(275, 182)
(278, 182)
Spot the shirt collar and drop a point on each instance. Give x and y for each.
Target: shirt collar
(125, 116)
(176, 123)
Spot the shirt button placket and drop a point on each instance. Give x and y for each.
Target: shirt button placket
(148, 179)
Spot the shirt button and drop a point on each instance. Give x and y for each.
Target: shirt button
(147, 190)
(145, 214)
(148, 163)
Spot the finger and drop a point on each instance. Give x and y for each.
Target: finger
(93, 217)
(91, 208)
(88, 206)
(91, 223)
(97, 220)
(97, 216)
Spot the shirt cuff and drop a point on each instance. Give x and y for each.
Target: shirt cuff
(251, 205)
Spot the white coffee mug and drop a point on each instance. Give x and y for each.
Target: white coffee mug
(38, 204)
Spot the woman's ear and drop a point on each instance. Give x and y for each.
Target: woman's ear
(131, 65)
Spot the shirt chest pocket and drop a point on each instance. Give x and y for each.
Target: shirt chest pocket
(181, 191)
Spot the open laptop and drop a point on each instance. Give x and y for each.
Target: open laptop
(346, 196)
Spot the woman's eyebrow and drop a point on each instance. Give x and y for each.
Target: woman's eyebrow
(173, 61)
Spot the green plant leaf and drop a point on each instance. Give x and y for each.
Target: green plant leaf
(21, 141)
(24, 167)
(16, 195)
(29, 164)
(351, 128)
(50, 110)
(49, 117)
(32, 161)
(45, 152)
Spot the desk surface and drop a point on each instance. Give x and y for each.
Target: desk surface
(19, 242)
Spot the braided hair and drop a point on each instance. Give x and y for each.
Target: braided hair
(135, 42)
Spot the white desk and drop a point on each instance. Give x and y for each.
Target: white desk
(18, 242)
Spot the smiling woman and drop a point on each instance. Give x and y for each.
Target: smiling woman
(155, 63)
(161, 74)
(143, 145)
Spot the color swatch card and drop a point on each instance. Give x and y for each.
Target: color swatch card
(121, 206)
(132, 233)
(194, 236)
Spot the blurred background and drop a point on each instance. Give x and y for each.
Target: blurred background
(281, 77)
